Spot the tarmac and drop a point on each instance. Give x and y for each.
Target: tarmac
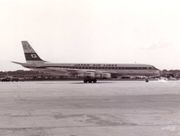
(108, 108)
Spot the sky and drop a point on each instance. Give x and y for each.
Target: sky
(91, 31)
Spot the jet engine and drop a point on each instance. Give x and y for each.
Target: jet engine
(90, 74)
(106, 75)
(90, 77)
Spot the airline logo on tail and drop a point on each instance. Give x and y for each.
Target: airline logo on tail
(29, 52)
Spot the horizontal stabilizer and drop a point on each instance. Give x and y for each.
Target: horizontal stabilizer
(17, 62)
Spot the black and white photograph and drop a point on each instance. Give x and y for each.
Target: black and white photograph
(89, 68)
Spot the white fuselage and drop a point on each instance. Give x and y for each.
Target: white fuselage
(120, 69)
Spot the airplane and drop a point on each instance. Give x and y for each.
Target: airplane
(89, 72)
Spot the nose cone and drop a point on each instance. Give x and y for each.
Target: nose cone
(157, 72)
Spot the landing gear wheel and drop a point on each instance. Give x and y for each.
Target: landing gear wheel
(94, 81)
(85, 81)
(90, 81)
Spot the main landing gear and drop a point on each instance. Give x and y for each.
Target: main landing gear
(90, 80)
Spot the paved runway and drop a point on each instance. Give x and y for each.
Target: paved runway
(71, 108)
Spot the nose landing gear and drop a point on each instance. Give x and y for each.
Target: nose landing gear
(146, 80)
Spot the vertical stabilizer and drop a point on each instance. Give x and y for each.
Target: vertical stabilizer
(30, 54)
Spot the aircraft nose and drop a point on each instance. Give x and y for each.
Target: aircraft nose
(158, 72)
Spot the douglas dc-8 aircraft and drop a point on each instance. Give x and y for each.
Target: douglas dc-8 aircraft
(89, 72)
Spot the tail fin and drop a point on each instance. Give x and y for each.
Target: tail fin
(30, 54)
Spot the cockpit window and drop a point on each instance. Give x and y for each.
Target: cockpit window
(153, 68)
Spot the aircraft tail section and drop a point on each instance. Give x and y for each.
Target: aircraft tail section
(30, 54)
